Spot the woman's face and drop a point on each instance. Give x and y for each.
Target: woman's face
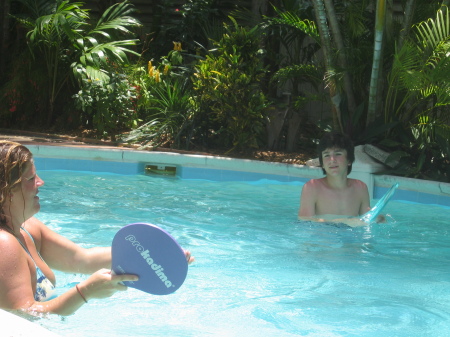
(24, 199)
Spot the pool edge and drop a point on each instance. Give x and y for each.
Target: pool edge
(18, 326)
(416, 190)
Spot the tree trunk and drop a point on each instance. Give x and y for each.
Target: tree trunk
(407, 21)
(377, 54)
(259, 7)
(325, 38)
(342, 55)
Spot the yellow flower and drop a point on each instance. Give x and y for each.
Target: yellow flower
(149, 66)
(166, 69)
(176, 46)
(150, 71)
(157, 79)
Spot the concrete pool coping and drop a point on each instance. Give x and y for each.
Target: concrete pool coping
(196, 166)
(46, 148)
(14, 325)
(364, 168)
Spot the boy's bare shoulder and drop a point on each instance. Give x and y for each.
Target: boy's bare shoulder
(357, 182)
(315, 182)
(358, 186)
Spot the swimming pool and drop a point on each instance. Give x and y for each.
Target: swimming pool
(258, 271)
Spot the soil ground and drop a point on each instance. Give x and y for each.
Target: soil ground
(83, 138)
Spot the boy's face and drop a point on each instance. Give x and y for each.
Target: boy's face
(335, 161)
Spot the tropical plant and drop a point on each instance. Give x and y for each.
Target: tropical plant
(109, 105)
(419, 76)
(227, 86)
(291, 44)
(421, 151)
(419, 97)
(165, 102)
(200, 24)
(102, 44)
(170, 121)
(50, 24)
(59, 33)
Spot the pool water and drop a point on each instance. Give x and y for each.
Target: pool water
(258, 271)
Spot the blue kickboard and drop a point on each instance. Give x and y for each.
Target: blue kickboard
(371, 215)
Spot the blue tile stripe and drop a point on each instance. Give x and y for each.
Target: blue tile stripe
(229, 175)
(88, 165)
(127, 168)
(413, 196)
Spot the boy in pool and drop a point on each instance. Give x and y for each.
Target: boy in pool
(335, 197)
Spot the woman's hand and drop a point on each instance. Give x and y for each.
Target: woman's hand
(189, 258)
(103, 284)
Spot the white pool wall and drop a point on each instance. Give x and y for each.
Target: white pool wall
(221, 168)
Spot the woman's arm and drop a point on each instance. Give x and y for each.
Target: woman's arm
(62, 254)
(101, 284)
(17, 287)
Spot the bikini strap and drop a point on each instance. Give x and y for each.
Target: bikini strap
(26, 249)
(32, 239)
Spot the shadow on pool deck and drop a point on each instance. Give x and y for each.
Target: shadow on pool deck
(36, 138)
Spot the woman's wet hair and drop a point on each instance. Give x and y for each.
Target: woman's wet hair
(14, 160)
(336, 140)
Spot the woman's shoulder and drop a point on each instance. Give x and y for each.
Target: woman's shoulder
(34, 226)
(9, 245)
(6, 236)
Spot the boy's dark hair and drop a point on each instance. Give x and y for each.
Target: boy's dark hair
(337, 140)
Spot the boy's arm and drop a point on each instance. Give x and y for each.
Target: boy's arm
(307, 202)
(365, 199)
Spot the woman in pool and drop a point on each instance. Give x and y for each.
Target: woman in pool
(29, 249)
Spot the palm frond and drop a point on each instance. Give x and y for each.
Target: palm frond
(433, 31)
(303, 72)
(293, 20)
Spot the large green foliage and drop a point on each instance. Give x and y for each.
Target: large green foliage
(228, 88)
(165, 101)
(419, 97)
(102, 44)
(109, 105)
(61, 36)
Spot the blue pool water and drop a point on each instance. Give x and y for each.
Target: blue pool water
(258, 271)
